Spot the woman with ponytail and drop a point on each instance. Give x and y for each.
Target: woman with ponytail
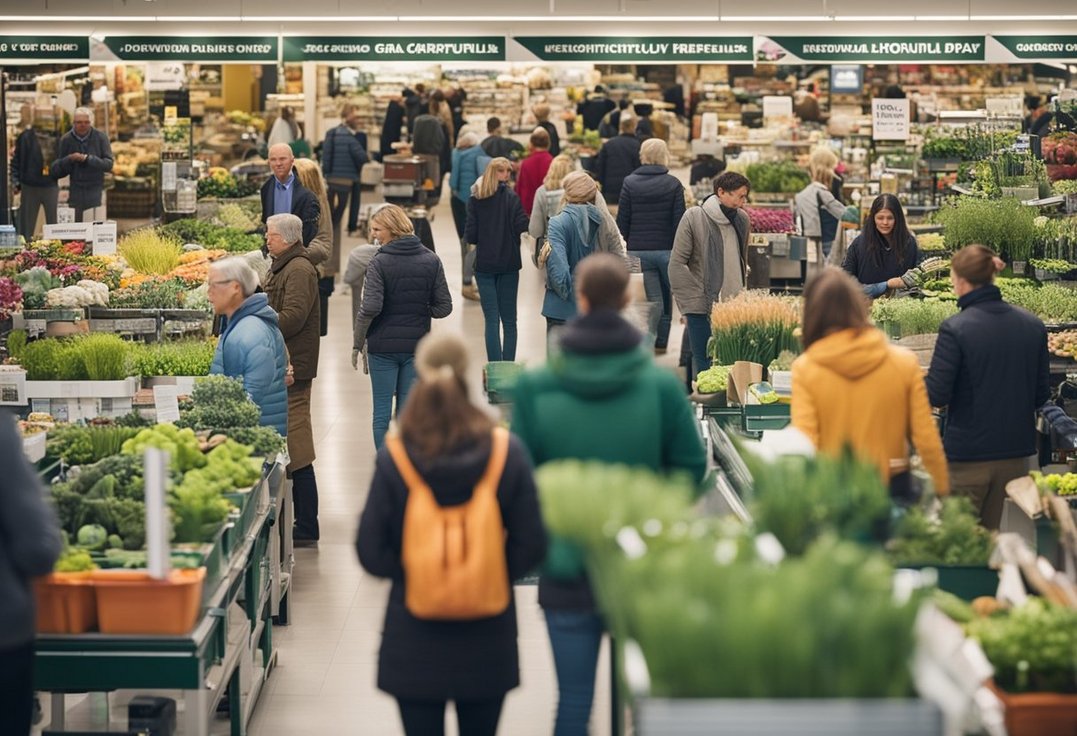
(424, 663)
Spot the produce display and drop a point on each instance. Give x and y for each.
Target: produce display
(222, 184)
(1050, 302)
(1063, 344)
(753, 326)
(85, 293)
(713, 380)
(211, 236)
(1051, 265)
(175, 358)
(1033, 647)
(219, 402)
(767, 220)
(102, 356)
(1004, 225)
(81, 445)
(1062, 485)
(931, 242)
(1056, 239)
(953, 536)
(237, 216)
(912, 316)
(784, 177)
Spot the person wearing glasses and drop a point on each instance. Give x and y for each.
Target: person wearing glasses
(251, 346)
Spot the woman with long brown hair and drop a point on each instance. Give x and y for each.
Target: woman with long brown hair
(324, 249)
(852, 388)
(448, 441)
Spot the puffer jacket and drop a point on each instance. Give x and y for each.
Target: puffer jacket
(252, 348)
(405, 287)
(854, 389)
(651, 207)
(468, 165)
(342, 154)
(494, 226)
(577, 232)
(617, 158)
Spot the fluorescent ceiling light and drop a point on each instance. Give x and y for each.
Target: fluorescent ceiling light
(1023, 17)
(775, 18)
(557, 18)
(895, 18)
(307, 19)
(941, 17)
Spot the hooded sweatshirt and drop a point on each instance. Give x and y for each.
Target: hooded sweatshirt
(854, 388)
(601, 397)
(709, 257)
(575, 233)
(252, 348)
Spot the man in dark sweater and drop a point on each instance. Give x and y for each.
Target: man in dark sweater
(618, 158)
(497, 146)
(30, 176)
(284, 195)
(594, 108)
(342, 163)
(84, 156)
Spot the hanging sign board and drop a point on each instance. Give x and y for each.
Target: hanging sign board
(389, 48)
(635, 49)
(1005, 105)
(190, 49)
(1033, 48)
(163, 76)
(777, 106)
(52, 48)
(861, 49)
(889, 119)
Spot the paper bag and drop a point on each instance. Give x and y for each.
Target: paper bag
(743, 375)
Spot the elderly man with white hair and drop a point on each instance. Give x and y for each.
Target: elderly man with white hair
(84, 155)
(292, 287)
(283, 194)
(251, 346)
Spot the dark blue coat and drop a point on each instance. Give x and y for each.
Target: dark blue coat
(405, 287)
(617, 158)
(494, 226)
(342, 154)
(990, 369)
(651, 207)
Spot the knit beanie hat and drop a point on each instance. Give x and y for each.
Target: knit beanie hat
(579, 188)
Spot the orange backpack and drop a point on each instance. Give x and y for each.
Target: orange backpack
(454, 557)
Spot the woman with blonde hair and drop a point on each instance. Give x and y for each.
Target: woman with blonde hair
(495, 222)
(578, 231)
(549, 199)
(447, 443)
(405, 287)
(323, 250)
(853, 389)
(818, 209)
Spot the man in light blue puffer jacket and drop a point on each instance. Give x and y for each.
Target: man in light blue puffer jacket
(251, 346)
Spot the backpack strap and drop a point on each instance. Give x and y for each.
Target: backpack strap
(489, 481)
(403, 463)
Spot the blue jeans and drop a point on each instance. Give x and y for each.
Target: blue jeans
(391, 374)
(575, 638)
(497, 295)
(655, 265)
(699, 333)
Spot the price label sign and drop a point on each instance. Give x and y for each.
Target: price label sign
(777, 106)
(166, 399)
(889, 119)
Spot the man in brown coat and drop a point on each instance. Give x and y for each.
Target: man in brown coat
(292, 287)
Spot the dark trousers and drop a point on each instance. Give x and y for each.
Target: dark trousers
(497, 295)
(984, 483)
(353, 213)
(459, 214)
(17, 689)
(305, 503)
(427, 717)
(338, 195)
(575, 638)
(33, 200)
(699, 333)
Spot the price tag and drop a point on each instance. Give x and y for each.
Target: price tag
(13, 387)
(777, 106)
(168, 176)
(889, 119)
(104, 238)
(166, 399)
(64, 215)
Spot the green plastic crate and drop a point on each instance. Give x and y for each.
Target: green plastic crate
(758, 417)
(499, 378)
(965, 581)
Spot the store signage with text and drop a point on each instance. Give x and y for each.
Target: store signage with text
(75, 48)
(889, 119)
(651, 48)
(383, 48)
(1040, 47)
(188, 48)
(790, 49)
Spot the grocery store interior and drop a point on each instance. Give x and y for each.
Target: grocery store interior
(804, 580)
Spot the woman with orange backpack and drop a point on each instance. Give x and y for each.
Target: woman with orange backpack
(452, 518)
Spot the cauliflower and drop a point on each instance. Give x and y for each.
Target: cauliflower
(83, 294)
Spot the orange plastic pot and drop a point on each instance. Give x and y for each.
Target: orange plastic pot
(1039, 714)
(66, 603)
(131, 602)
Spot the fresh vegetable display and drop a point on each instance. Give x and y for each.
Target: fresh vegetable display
(78, 445)
(753, 326)
(74, 559)
(952, 537)
(1062, 485)
(176, 358)
(182, 445)
(149, 252)
(713, 380)
(784, 176)
(1063, 344)
(95, 357)
(1033, 647)
(152, 294)
(220, 402)
(912, 316)
(766, 220)
(235, 215)
(1004, 225)
(263, 441)
(208, 235)
(1064, 186)
(1052, 265)
(930, 242)
(1050, 302)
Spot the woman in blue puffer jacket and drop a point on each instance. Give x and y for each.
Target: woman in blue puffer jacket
(469, 162)
(251, 346)
(579, 230)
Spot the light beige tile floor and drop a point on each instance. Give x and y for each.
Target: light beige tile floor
(324, 682)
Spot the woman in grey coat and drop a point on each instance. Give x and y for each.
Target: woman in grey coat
(29, 546)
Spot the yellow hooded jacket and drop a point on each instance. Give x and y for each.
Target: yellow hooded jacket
(854, 388)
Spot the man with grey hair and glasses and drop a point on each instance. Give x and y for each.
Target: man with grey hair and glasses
(84, 156)
(250, 346)
(292, 287)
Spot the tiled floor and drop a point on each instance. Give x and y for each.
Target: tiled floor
(324, 682)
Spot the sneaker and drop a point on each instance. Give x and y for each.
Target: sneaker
(470, 291)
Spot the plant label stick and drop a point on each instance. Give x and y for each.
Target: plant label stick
(158, 554)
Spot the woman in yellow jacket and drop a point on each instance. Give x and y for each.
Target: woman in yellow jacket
(851, 387)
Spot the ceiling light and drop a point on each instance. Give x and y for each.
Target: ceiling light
(559, 18)
(307, 19)
(1023, 17)
(776, 18)
(941, 17)
(894, 18)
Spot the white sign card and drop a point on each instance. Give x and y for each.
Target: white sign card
(1012, 105)
(164, 75)
(64, 215)
(104, 238)
(13, 387)
(166, 399)
(777, 106)
(889, 119)
(69, 231)
(168, 176)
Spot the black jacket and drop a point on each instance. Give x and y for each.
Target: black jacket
(304, 206)
(651, 207)
(555, 138)
(438, 660)
(391, 128)
(617, 158)
(991, 369)
(405, 287)
(28, 162)
(342, 154)
(496, 146)
(494, 226)
(868, 270)
(593, 109)
(87, 179)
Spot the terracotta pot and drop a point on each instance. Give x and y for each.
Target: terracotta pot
(1039, 714)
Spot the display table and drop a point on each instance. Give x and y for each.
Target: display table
(230, 647)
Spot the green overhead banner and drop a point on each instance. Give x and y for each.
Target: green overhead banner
(1040, 47)
(388, 48)
(58, 48)
(636, 49)
(861, 49)
(252, 49)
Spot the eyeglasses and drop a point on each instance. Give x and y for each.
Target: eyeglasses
(220, 283)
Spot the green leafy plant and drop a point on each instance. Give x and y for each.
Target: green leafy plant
(179, 358)
(753, 326)
(220, 402)
(952, 537)
(1032, 647)
(1005, 225)
(906, 317)
(784, 176)
(149, 252)
(104, 356)
(1050, 302)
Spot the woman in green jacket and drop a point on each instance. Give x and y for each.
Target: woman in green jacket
(600, 397)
